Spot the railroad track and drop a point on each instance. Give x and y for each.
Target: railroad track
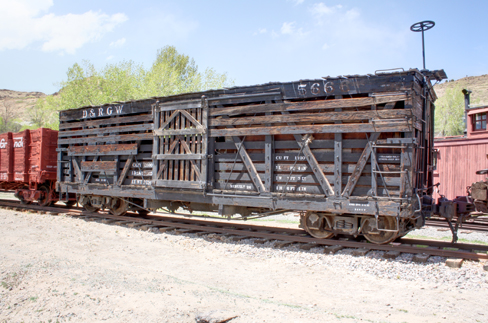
(281, 237)
(479, 224)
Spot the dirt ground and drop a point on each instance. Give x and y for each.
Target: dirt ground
(60, 269)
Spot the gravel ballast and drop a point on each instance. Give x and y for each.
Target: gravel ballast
(64, 269)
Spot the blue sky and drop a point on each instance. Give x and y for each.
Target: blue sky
(253, 41)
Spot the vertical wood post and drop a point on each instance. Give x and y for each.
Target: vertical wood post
(268, 159)
(155, 152)
(338, 157)
(204, 152)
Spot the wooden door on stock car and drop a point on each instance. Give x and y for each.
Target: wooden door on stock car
(180, 144)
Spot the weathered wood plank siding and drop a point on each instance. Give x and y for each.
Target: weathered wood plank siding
(315, 144)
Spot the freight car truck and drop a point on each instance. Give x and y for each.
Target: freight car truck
(351, 154)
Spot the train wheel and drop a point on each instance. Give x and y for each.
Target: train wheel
(379, 237)
(23, 201)
(142, 212)
(316, 225)
(44, 201)
(140, 207)
(84, 201)
(119, 208)
(69, 203)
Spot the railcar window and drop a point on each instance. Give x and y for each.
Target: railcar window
(480, 121)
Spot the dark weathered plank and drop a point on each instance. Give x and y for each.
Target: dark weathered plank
(313, 117)
(244, 98)
(331, 86)
(123, 149)
(127, 165)
(308, 105)
(204, 138)
(108, 110)
(179, 105)
(171, 132)
(299, 167)
(393, 126)
(248, 162)
(338, 156)
(179, 184)
(77, 170)
(179, 156)
(98, 166)
(101, 131)
(320, 156)
(105, 121)
(96, 139)
(269, 162)
(158, 144)
(292, 144)
(299, 189)
(304, 179)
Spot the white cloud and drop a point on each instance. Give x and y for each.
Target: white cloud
(320, 9)
(288, 28)
(345, 29)
(24, 22)
(352, 14)
(110, 57)
(118, 42)
(261, 31)
(297, 2)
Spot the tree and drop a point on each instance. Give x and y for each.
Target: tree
(171, 73)
(449, 113)
(8, 115)
(44, 113)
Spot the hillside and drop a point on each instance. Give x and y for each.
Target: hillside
(477, 84)
(14, 105)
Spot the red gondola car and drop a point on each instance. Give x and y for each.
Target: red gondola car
(28, 165)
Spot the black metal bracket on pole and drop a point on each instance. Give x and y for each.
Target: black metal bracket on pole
(422, 26)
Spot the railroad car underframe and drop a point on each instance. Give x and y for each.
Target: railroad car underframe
(352, 154)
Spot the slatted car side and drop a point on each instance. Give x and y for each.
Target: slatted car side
(106, 147)
(342, 149)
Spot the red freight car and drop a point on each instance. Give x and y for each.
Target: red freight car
(6, 165)
(28, 165)
(460, 157)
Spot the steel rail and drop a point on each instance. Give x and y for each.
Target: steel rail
(414, 246)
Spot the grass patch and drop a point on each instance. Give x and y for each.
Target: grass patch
(450, 249)
(448, 239)
(473, 241)
(12, 280)
(346, 317)
(278, 221)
